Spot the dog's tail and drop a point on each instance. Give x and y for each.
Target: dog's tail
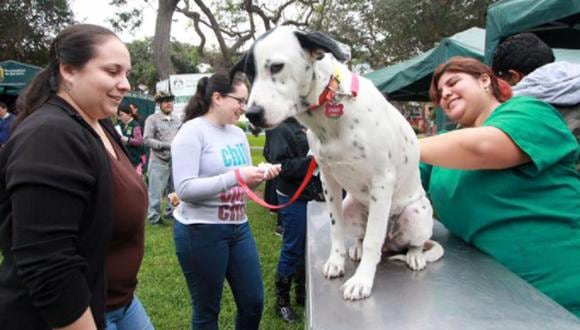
(433, 251)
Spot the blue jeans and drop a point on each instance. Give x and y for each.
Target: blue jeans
(131, 317)
(159, 175)
(210, 253)
(294, 240)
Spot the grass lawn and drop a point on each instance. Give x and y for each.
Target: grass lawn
(162, 287)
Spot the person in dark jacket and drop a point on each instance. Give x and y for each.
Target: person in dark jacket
(131, 135)
(6, 120)
(270, 195)
(290, 148)
(56, 206)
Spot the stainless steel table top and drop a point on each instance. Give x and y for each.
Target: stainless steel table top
(464, 290)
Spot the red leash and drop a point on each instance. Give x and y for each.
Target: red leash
(257, 199)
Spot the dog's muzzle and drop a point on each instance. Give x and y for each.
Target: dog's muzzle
(255, 114)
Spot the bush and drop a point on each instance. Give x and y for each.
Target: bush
(242, 125)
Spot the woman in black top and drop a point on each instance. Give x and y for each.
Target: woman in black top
(55, 185)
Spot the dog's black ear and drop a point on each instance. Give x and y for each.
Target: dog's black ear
(317, 43)
(246, 65)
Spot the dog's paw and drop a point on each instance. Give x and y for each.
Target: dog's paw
(357, 287)
(333, 267)
(355, 252)
(414, 258)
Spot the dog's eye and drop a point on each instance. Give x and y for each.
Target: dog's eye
(277, 67)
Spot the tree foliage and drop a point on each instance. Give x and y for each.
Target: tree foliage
(27, 28)
(380, 32)
(389, 31)
(183, 56)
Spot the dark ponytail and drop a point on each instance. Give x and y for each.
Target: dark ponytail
(200, 102)
(126, 108)
(74, 46)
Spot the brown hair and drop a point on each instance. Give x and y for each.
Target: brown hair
(74, 46)
(501, 89)
(199, 103)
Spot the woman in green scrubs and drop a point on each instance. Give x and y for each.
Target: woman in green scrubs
(506, 181)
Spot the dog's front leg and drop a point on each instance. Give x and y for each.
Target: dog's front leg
(334, 266)
(360, 285)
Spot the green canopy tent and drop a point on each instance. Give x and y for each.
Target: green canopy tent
(14, 76)
(409, 80)
(556, 22)
(144, 103)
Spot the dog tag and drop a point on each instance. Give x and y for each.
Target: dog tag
(334, 110)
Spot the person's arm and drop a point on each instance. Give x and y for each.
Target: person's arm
(149, 136)
(85, 322)
(136, 140)
(283, 151)
(472, 148)
(53, 170)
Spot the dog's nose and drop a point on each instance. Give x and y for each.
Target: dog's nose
(255, 114)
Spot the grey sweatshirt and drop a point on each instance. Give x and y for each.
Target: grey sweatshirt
(557, 83)
(160, 129)
(204, 156)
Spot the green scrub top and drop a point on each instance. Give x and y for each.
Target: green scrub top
(527, 217)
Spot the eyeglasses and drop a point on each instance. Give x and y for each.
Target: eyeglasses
(241, 100)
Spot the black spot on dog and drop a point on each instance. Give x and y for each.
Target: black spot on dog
(363, 156)
(354, 143)
(356, 120)
(331, 199)
(382, 187)
(322, 129)
(377, 124)
(307, 67)
(330, 214)
(390, 155)
(273, 79)
(308, 112)
(325, 192)
(373, 198)
(313, 75)
(352, 127)
(406, 159)
(364, 190)
(416, 211)
(361, 148)
(332, 223)
(424, 207)
(370, 110)
(406, 139)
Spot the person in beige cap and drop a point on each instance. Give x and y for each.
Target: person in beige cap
(160, 129)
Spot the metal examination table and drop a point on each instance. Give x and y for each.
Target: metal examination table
(464, 290)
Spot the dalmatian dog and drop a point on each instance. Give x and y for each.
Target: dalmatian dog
(361, 142)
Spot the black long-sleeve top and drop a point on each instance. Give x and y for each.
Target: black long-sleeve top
(287, 144)
(55, 220)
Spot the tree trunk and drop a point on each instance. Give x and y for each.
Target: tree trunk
(162, 39)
